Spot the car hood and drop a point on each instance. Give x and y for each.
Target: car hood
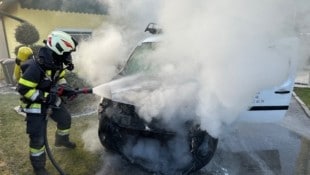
(130, 89)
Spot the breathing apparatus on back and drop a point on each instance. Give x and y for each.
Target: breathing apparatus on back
(23, 54)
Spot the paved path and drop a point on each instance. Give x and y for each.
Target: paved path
(266, 149)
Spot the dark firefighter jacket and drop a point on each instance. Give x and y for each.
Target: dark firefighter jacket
(38, 76)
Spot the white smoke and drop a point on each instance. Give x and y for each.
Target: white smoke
(303, 28)
(90, 138)
(100, 58)
(230, 49)
(213, 58)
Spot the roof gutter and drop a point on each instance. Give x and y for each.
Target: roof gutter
(4, 4)
(2, 13)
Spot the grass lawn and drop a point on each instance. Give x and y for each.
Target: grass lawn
(14, 151)
(303, 94)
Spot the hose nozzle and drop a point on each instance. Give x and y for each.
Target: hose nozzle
(85, 91)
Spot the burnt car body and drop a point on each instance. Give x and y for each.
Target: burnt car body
(121, 128)
(150, 145)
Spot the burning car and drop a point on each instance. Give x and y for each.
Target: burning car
(149, 144)
(156, 147)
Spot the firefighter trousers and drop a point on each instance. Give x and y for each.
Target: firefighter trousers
(36, 127)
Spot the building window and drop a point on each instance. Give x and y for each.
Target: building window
(78, 34)
(89, 6)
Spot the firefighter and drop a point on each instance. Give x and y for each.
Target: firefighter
(41, 86)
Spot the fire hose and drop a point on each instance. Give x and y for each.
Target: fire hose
(48, 114)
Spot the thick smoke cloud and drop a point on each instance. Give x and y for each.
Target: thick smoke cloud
(111, 43)
(99, 58)
(213, 58)
(230, 49)
(214, 54)
(303, 28)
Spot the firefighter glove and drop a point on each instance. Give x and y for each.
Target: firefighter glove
(51, 99)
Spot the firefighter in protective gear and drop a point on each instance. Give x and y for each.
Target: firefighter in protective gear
(22, 55)
(40, 76)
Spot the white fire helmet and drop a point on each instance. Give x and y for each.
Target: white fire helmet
(60, 42)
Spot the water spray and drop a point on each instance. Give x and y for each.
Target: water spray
(125, 83)
(102, 90)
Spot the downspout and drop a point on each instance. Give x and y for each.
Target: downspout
(4, 14)
(5, 37)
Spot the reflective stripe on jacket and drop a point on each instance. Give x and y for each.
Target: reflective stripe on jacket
(35, 84)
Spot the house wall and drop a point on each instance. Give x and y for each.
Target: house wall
(46, 21)
(3, 46)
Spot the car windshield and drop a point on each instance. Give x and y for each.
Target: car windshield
(138, 61)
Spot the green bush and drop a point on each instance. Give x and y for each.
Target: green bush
(26, 34)
(35, 48)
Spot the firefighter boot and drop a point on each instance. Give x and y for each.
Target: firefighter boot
(63, 140)
(38, 164)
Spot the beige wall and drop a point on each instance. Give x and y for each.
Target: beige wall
(46, 21)
(3, 47)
